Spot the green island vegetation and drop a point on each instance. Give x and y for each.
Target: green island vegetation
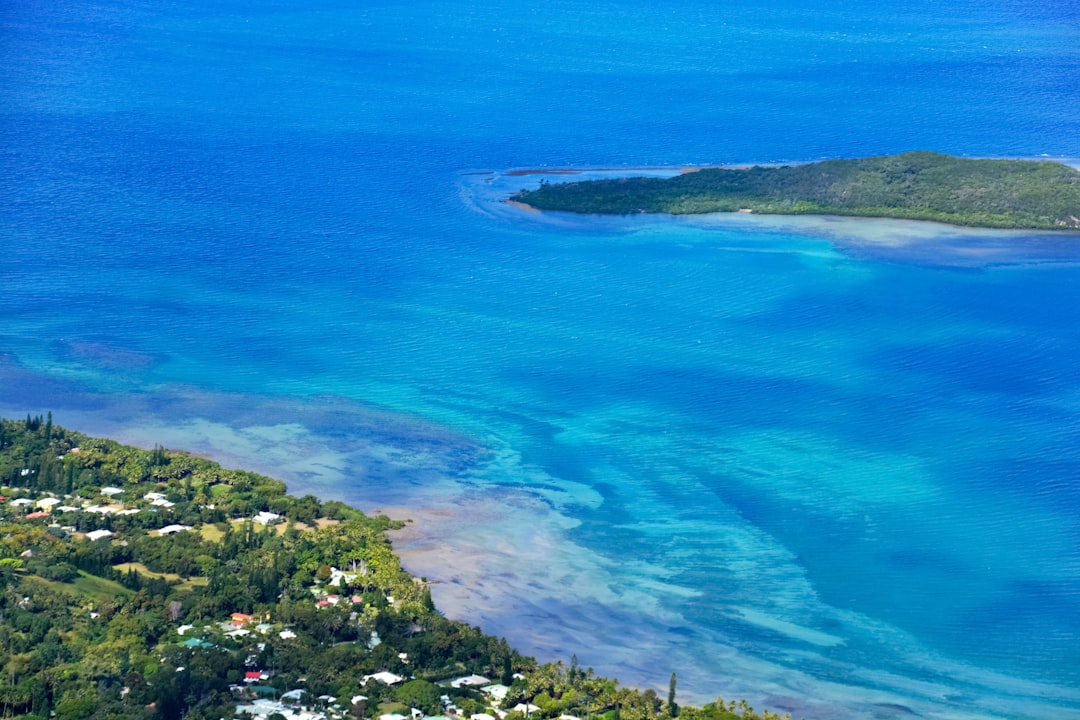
(155, 584)
(916, 185)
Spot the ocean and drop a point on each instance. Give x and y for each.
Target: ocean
(829, 465)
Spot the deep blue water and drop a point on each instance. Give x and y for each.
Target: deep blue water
(829, 466)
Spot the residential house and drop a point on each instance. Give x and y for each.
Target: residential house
(496, 691)
(170, 529)
(466, 681)
(266, 518)
(386, 678)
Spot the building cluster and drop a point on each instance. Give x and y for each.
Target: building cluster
(255, 696)
(298, 704)
(108, 501)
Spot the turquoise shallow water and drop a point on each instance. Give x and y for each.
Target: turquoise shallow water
(829, 465)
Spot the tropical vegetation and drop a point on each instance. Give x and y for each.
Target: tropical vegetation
(915, 185)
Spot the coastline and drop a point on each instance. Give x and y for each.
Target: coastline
(1030, 194)
(483, 562)
(920, 242)
(981, 193)
(522, 206)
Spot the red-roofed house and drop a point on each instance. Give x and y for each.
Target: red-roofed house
(37, 514)
(252, 676)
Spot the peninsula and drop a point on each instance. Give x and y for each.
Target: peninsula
(157, 585)
(1020, 194)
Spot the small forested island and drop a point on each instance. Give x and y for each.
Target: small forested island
(158, 585)
(1021, 194)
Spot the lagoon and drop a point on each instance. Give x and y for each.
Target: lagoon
(822, 463)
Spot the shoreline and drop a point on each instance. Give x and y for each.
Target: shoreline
(937, 187)
(985, 220)
(927, 243)
(826, 216)
(467, 585)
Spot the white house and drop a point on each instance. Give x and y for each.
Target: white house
(153, 496)
(386, 678)
(110, 491)
(467, 681)
(266, 518)
(262, 709)
(170, 529)
(98, 534)
(47, 502)
(339, 576)
(496, 691)
(21, 501)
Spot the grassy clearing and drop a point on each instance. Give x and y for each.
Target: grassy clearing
(219, 490)
(98, 587)
(211, 533)
(187, 584)
(86, 586)
(280, 527)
